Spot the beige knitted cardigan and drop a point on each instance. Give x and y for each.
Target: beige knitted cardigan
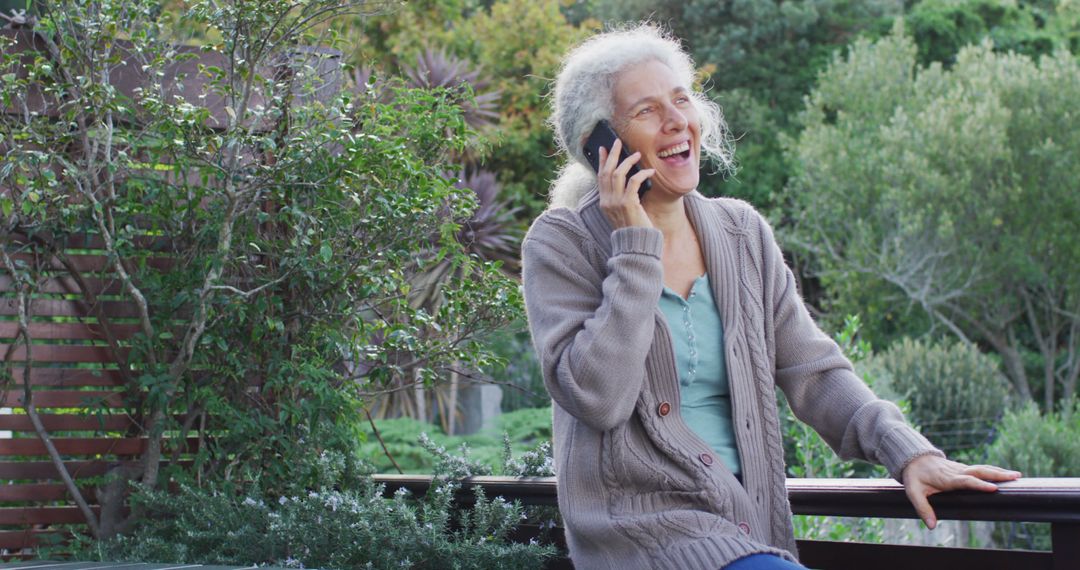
(637, 488)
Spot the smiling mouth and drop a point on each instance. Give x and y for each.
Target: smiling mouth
(679, 151)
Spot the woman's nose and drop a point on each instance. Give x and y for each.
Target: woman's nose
(674, 119)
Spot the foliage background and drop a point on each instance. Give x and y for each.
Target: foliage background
(305, 218)
(917, 158)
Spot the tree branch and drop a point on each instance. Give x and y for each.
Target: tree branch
(379, 437)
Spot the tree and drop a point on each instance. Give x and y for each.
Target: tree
(952, 191)
(297, 214)
(521, 43)
(518, 45)
(941, 28)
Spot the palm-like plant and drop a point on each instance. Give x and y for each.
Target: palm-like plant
(366, 82)
(490, 234)
(491, 231)
(435, 69)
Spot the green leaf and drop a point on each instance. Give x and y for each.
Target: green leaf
(325, 252)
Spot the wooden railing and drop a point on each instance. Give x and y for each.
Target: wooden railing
(1054, 501)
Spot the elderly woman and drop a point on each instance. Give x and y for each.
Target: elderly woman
(664, 323)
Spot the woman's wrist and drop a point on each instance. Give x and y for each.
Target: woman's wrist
(637, 239)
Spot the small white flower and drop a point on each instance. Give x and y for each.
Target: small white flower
(282, 500)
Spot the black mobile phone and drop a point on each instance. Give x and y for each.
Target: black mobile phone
(604, 136)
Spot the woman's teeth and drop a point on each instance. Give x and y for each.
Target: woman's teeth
(679, 148)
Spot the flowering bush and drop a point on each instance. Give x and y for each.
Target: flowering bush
(346, 524)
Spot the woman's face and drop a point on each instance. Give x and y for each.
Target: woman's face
(654, 115)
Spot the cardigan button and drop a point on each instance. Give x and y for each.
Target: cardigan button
(664, 409)
(745, 528)
(706, 459)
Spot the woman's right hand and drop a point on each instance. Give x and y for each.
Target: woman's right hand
(618, 196)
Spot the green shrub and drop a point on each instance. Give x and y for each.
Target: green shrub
(957, 394)
(1037, 446)
(807, 455)
(522, 430)
(526, 426)
(343, 526)
(400, 436)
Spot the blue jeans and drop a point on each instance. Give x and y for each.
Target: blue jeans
(762, 562)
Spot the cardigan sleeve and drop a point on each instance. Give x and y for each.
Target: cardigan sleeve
(820, 384)
(591, 331)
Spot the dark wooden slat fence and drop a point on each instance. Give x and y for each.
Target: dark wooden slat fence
(75, 374)
(77, 386)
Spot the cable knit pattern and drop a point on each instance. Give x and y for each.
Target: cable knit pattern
(637, 487)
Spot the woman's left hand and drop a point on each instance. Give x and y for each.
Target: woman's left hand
(929, 475)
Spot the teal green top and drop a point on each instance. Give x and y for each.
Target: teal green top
(698, 337)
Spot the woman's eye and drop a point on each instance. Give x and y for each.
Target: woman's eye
(644, 111)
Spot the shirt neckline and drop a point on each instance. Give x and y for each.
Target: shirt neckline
(693, 287)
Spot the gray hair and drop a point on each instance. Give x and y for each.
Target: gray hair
(582, 97)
